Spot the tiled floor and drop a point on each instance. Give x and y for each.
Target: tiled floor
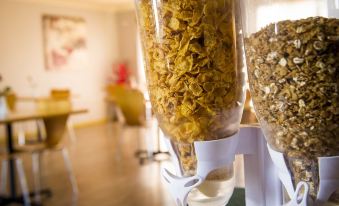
(107, 172)
(103, 178)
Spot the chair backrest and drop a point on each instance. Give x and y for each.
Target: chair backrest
(59, 99)
(60, 94)
(11, 100)
(130, 101)
(55, 129)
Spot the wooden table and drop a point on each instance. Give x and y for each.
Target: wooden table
(55, 123)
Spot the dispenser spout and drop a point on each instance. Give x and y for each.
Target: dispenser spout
(211, 155)
(300, 196)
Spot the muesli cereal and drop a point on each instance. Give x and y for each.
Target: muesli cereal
(294, 85)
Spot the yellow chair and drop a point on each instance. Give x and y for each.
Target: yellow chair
(5, 158)
(60, 94)
(59, 99)
(11, 100)
(55, 128)
(136, 112)
(130, 101)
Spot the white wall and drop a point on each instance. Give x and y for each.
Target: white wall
(127, 30)
(21, 54)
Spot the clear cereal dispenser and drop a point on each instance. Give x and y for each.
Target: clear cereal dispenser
(292, 56)
(193, 53)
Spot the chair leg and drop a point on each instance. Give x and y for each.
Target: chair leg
(36, 176)
(4, 169)
(71, 132)
(139, 150)
(41, 130)
(21, 137)
(70, 171)
(23, 182)
(114, 131)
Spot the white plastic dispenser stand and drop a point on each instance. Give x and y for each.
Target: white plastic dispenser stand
(263, 187)
(263, 177)
(262, 184)
(210, 155)
(333, 8)
(328, 180)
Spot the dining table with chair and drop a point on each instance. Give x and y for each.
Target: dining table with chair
(55, 122)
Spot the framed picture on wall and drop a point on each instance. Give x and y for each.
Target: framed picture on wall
(65, 42)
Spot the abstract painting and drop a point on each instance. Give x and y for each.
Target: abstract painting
(65, 42)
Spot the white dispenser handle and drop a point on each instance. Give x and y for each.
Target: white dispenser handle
(283, 172)
(180, 187)
(328, 179)
(296, 199)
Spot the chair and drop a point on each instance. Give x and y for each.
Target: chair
(11, 100)
(55, 128)
(63, 96)
(21, 174)
(59, 99)
(130, 101)
(135, 112)
(128, 106)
